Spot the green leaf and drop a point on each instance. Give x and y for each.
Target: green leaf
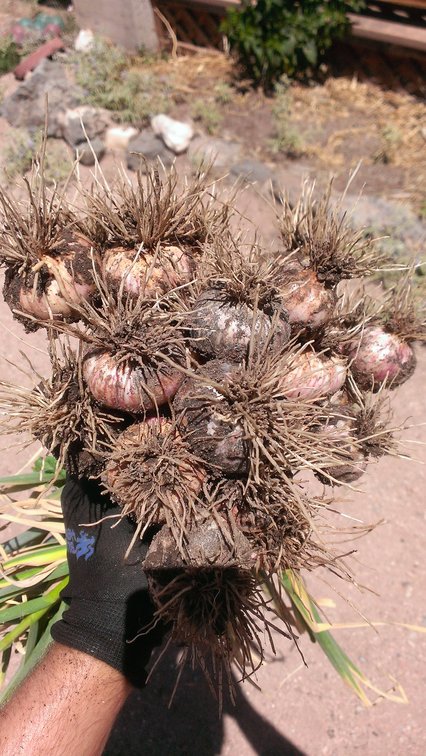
(272, 37)
(32, 639)
(14, 483)
(28, 621)
(37, 557)
(25, 608)
(288, 45)
(344, 666)
(32, 656)
(310, 52)
(46, 465)
(11, 590)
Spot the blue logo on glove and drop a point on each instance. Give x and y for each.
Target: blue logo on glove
(80, 543)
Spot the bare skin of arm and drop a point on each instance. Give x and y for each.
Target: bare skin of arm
(67, 706)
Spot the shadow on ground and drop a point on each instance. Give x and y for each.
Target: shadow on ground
(192, 725)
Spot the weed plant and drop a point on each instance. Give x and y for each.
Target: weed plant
(287, 139)
(19, 153)
(111, 80)
(208, 114)
(272, 37)
(9, 54)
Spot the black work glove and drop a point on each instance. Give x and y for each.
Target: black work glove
(108, 598)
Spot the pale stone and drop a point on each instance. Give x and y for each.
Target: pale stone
(84, 40)
(118, 137)
(176, 135)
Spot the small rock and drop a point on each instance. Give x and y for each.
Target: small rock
(118, 137)
(84, 40)
(93, 120)
(176, 135)
(220, 153)
(26, 106)
(251, 170)
(147, 145)
(85, 151)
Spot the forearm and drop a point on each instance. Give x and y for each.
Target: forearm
(67, 706)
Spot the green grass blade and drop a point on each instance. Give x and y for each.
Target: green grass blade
(32, 638)
(348, 671)
(30, 644)
(32, 657)
(24, 608)
(15, 483)
(28, 621)
(9, 590)
(20, 629)
(24, 540)
(4, 665)
(37, 557)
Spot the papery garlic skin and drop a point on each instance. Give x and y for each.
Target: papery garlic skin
(127, 387)
(61, 296)
(310, 376)
(308, 301)
(379, 356)
(146, 274)
(225, 330)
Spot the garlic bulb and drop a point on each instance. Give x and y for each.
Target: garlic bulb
(126, 386)
(310, 376)
(378, 356)
(146, 274)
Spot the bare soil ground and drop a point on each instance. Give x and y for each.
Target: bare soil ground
(298, 708)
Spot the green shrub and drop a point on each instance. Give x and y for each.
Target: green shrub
(275, 37)
(9, 54)
(208, 114)
(390, 143)
(21, 148)
(106, 75)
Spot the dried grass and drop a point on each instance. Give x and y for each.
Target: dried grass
(401, 313)
(155, 478)
(243, 270)
(36, 226)
(338, 119)
(154, 212)
(321, 235)
(61, 413)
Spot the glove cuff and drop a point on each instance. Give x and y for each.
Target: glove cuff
(97, 631)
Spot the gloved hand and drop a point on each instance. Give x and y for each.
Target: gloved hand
(107, 594)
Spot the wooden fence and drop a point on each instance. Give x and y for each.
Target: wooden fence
(399, 24)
